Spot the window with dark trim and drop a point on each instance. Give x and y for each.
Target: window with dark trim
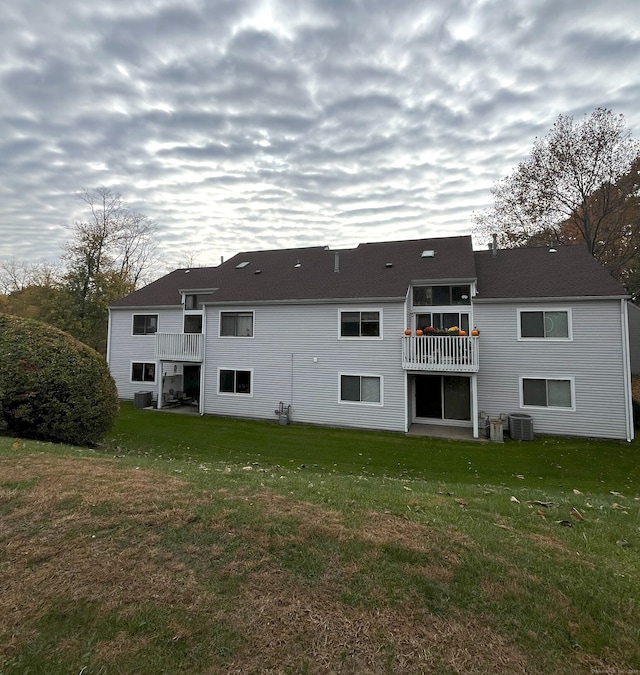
(236, 324)
(193, 323)
(361, 388)
(143, 372)
(235, 381)
(441, 295)
(360, 324)
(145, 324)
(546, 393)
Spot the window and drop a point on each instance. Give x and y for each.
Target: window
(360, 324)
(143, 372)
(545, 324)
(235, 381)
(191, 302)
(543, 393)
(443, 320)
(145, 324)
(193, 323)
(441, 295)
(361, 389)
(236, 324)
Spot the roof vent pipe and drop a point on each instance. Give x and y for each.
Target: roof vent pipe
(494, 245)
(336, 263)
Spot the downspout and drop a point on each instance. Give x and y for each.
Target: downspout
(407, 403)
(204, 360)
(626, 359)
(291, 393)
(160, 370)
(108, 355)
(474, 404)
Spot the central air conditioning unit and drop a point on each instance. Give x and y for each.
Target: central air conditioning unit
(521, 427)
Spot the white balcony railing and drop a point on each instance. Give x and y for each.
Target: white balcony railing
(179, 346)
(441, 353)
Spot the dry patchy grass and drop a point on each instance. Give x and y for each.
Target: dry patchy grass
(89, 533)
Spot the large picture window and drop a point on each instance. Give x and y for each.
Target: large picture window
(143, 372)
(234, 381)
(236, 324)
(545, 324)
(547, 393)
(361, 389)
(360, 324)
(145, 324)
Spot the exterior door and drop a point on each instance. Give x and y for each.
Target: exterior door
(192, 382)
(442, 397)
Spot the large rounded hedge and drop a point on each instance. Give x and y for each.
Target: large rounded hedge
(52, 386)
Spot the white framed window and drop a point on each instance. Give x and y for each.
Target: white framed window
(544, 324)
(233, 381)
(236, 324)
(361, 323)
(143, 372)
(443, 320)
(358, 388)
(540, 392)
(145, 324)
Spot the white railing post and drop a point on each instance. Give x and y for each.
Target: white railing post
(457, 353)
(179, 346)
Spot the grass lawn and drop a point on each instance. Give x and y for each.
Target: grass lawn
(209, 545)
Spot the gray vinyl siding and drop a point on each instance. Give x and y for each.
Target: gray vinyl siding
(594, 359)
(126, 348)
(296, 357)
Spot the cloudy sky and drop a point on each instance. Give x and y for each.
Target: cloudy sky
(249, 124)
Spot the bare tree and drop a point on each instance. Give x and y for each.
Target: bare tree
(576, 185)
(17, 275)
(107, 258)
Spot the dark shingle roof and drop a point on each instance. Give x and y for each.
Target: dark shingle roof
(538, 273)
(273, 275)
(363, 273)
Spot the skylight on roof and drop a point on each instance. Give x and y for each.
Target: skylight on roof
(429, 253)
(242, 265)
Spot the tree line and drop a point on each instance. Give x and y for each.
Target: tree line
(109, 254)
(580, 184)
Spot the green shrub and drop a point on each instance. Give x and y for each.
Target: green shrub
(52, 387)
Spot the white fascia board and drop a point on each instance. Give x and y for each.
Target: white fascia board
(304, 301)
(541, 300)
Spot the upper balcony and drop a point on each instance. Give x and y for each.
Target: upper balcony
(179, 347)
(456, 354)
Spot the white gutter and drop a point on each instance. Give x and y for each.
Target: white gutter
(626, 359)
